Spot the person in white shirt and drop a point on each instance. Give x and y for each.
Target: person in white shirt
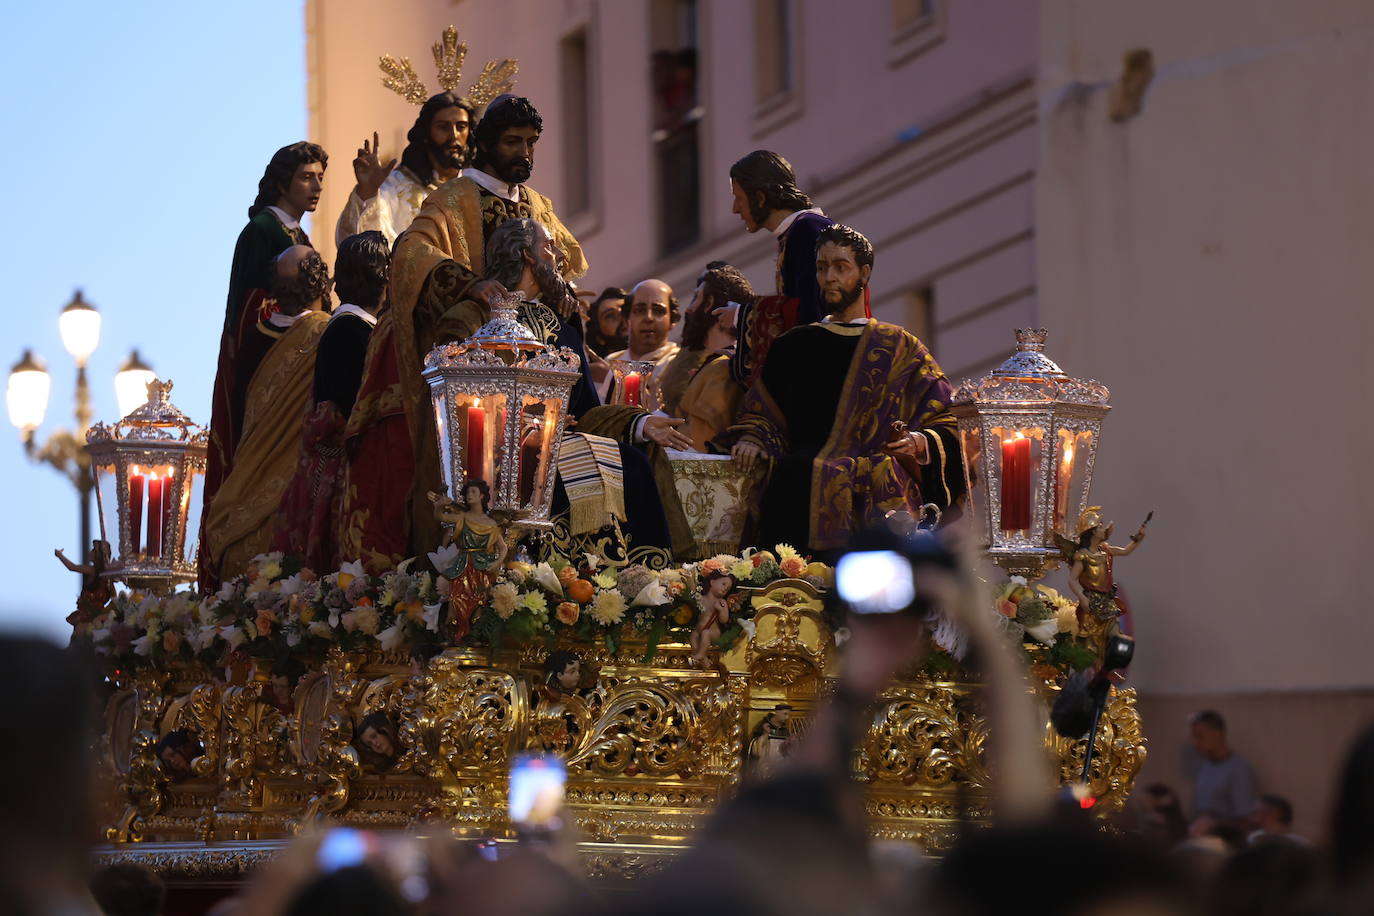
(388, 197)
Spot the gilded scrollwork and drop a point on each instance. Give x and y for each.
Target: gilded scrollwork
(142, 787)
(928, 737)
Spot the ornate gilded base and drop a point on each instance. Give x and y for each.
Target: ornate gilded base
(652, 746)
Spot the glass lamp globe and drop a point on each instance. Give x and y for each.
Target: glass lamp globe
(131, 384)
(27, 392)
(79, 324)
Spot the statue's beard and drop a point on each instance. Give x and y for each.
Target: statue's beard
(847, 297)
(552, 286)
(445, 158)
(515, 170)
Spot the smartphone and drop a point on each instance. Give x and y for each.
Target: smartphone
(344, 847)
(875, 581)
(537, 785)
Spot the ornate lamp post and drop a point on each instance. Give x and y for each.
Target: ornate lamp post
(27, 399)
(1030, 434)
(149, 470)
(501, 406)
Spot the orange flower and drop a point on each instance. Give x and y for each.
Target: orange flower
(567, 612)
(364, 601)
(792, 567)
(171, 641)
(1006, 608)
(580, 590)
(414, 609)
(265, 621)
(567, 575)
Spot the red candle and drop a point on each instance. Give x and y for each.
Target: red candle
(632, 381)
(135, 507)
(473, 458)
(1016, 484)
(154, 515)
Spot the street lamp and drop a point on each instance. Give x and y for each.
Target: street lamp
(131, 384)
(27, 399)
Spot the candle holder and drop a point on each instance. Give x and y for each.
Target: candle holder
(1030, 434)
(501, 407)
(149, 469)
(630, 376)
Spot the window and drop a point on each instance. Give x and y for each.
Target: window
(576, 126)
(773, 57)
(917, 25)
(920, 315)
(907, 13)
(676, 116)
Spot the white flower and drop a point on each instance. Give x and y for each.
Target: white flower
(202, 637)
(1017, 580)
(651, 595)
(391, 638)
(445, 557)
(1044, 631)
(233, 636)
(100, 636)
(290, 586)
(592, 560)
(431, 616)
(608, 607)
(143, 645)
(749, 626)
(505, 597)
(226, 591)
(841, 634)
(946, 634)
(546, 577)
(333, 619)
(321, 629)
(1066, 620)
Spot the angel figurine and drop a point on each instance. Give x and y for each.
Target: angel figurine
(1090, 570)
(714, 613)
(96, 590)
(482, 550)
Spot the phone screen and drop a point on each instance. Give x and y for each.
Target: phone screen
(875, 581)
(536, 789)
(344, 847)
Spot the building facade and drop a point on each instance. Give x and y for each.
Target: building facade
(912, 120)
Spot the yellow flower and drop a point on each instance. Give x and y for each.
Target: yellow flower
(608, 607)
(1066, 618)
(536, 602)
(786, 551)
(605, 579)
(742, 570)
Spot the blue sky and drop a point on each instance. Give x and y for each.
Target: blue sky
(135, 134)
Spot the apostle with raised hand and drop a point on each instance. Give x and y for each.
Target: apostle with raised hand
(437, 263)
(841, 448)
(388, 197)
(307, 522)
(239, 518)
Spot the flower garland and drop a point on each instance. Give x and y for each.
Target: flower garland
(279, 609)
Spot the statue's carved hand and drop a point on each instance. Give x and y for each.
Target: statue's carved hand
(369, 170)
(486, 291)
(664, 431)
(746, 453)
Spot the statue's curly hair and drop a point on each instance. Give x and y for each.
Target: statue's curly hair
(361, 269)
(765, 172)
(280, 170)
(504, 112)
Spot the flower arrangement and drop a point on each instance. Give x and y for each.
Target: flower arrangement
(1045, 624)
(278, 608)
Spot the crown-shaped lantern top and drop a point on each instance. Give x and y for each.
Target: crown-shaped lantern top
(504, 341)
(156, 419)
(497, 76)
(1029, 375)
